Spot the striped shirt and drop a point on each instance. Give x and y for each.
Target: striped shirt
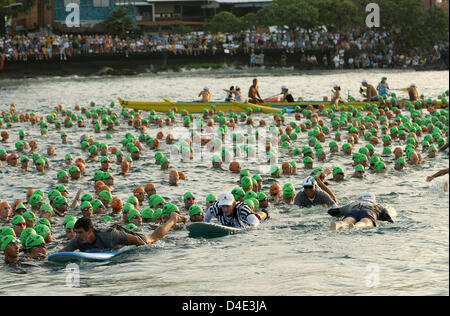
(242, 216)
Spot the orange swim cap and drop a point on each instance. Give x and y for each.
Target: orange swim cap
(181, 175)
(117, 204)
(235, 167)
(275, 189)
(138, 190)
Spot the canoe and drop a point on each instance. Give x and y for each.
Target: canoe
(236, 106)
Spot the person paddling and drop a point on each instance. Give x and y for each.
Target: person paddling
(253, 93)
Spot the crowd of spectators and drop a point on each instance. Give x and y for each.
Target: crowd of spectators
(356, 49)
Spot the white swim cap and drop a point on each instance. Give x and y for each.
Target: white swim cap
(205, 88)
(309, 181)
(335, 85)
(226, 199)
(284, 88)
(364, 81)
(237, 87)
(368, 196)
(413, 84)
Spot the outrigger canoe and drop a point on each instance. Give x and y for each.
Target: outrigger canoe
(236, 106)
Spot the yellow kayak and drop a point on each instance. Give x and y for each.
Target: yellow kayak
(236, 106)
(192, 107)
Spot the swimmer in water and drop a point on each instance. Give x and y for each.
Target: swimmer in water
(362, 213)
(439, 174)
(312, 195)
(234, 214)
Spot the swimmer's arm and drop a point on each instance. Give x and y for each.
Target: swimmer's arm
(253, 222)
(74, 203)
(134, 240)
(163, 229)
(438, 174)
(208, 215)
(444, 147)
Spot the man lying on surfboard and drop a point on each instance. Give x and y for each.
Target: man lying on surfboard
(89, 238)
(234, 214)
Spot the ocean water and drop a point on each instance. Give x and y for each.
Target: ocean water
(294, 253)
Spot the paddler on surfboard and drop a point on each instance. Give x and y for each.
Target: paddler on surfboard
(383, 87)
(371, 92)
(253, 93)
(234, 214)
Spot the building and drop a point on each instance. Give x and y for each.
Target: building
(39, 16)
(149, 15)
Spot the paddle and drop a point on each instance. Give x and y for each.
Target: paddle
(272, 96)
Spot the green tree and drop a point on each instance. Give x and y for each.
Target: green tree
(436, 22)
(183, 28)
(224, 22)
(291, 13)
(250, 21)
(120, 21)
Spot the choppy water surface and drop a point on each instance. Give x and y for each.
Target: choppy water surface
(293, 254)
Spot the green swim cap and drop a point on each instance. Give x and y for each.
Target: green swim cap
(188, 194)
(148, 213)
(131, 227)
(274, 169)
(42, 230)
(246, 182)
(105, 194)
(261, 196)
(8, 239)
(249, 203)
(20, 206)
(250, 195)
(96, 204)
(337, 170)
(333, 144)
(195, 210)
(359, 168)
(61, 174)
(27, 232)
(30, 215)
(69, 218)
(387, 150)
(155, 200)
(44, 221)
(374, 159)
(132, 213)
(307, 160)
(34, 240)
(86, 204)
(73, 169)
(379, 165)
(4, 231)
(307, 150)
(169, 208)
(288, 190)
(59, 200)
(98, 175)
(17, 220)
(245, 172)
(211, 197)
(86, 197)
(346, 146)
(237, 193)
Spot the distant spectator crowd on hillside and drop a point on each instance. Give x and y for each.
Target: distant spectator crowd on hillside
(349, 50)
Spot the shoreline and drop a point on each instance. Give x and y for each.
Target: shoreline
(138, 63)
